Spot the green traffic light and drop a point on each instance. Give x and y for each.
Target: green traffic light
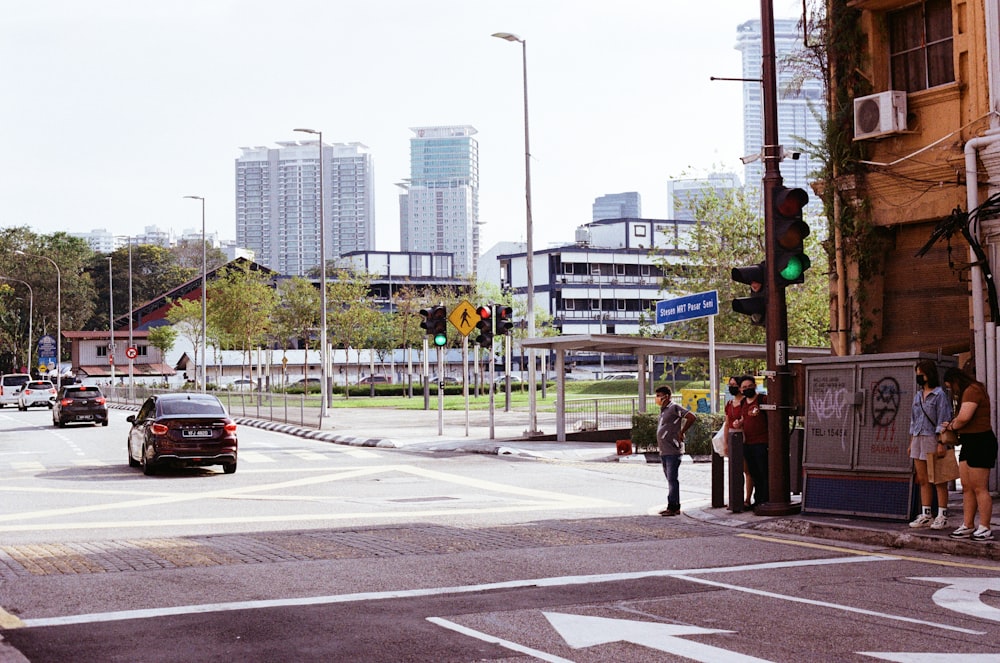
(796, 267)
(440, 340)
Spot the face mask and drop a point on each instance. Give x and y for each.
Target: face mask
(750, 392)
(734, 390)
(921, 380)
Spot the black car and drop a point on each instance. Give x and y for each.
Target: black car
(79, 403)
(180, 430)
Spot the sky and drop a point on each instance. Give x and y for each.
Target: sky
(114, 110)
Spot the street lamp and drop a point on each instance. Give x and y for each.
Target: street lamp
(111, 321)
(204, 304)
(324, 359)
(31, 313)
(532, 407)
(58, 312)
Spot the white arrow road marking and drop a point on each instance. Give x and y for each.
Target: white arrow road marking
(486, 637)
(964, 595)
(581, 631)
(910, 657)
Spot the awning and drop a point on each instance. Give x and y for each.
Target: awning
(138, 370)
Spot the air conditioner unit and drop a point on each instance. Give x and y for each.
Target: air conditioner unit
(879, 114)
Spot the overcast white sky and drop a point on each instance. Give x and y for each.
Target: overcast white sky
(115, 109)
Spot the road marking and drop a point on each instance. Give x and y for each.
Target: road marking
(534, 500)
(9, 621)
(557, 581)
(254, 457)
(825, 604)
(27, 466)
(964, 596)
(305, 454)
(508, 644)
(581, 631)
(853, 551)
(930, 657)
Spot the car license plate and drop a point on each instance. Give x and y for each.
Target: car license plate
(201, 432)
(85, 417)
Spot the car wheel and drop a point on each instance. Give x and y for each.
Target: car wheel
(22, 409)
(132, 462)
(61, 424)
(148, 468)
(229, 468)
(104, 423)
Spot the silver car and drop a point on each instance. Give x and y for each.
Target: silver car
(10, 387)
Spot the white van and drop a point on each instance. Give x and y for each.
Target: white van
(11, 385)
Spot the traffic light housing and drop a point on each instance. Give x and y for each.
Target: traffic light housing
(503, 319)
(436, 324)
(755, 305)
(791, 261)
(485, 326)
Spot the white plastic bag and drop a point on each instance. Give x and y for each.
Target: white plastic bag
(719, 443)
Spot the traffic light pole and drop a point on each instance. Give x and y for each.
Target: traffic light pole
(776, 319)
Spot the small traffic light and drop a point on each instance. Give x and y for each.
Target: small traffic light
(791, 261)
(756, 304)
(485, 326)
(436, 324)
(503, 322)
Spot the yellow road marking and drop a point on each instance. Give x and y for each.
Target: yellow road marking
(868, 553)
(9, 621)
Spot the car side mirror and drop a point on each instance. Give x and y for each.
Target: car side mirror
(130, 418)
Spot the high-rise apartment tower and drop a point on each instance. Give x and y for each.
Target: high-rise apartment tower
(277, 203)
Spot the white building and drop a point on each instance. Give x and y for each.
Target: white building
(278, 203)
(439, 209)
(606, 282)
(683, 195)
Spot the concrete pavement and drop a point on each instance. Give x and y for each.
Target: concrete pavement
(416, 431)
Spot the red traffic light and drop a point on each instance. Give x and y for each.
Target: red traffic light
(484, 312)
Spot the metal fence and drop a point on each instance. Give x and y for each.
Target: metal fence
(600, 413)
(300, 409)
(590, 414)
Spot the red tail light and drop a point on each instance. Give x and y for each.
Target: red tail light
(27, 391)
(66, 401)
(100, 401)
(158, 429)
(230, 428)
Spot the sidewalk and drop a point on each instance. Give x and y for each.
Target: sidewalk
(417, 431)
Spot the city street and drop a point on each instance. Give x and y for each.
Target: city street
(321, 552)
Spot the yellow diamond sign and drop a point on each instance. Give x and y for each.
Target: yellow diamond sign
(464, 317)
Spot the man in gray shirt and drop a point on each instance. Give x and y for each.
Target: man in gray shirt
(674, 422)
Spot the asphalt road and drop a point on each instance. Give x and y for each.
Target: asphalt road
(317, 552)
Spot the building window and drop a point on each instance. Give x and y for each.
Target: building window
(640, 231)
(920, 46)
(142, 350)
(567, 268)
(102, 351)
(569, 304)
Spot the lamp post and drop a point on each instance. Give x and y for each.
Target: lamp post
(324, 358)
(31, 313)
(204, 304)
(111, 322)
(58, 311)
(532, 407)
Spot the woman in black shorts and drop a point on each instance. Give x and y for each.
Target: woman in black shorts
(978, 455)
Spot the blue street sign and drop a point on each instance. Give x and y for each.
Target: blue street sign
(688, 307)
(47, 348)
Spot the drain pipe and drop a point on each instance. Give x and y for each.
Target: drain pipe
(984, 333)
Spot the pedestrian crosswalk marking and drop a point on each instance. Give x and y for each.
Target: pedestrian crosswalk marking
(27, 466)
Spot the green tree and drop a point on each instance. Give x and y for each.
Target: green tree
(352, 315)
(187, 254)
(241, 305)
(185, 316)
(297, 315)
(728, 233)
(163, 338)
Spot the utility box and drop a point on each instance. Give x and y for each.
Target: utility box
(857, 430)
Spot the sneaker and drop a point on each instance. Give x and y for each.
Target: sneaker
(962, 532)
(923, 520)
(982, 534)
(940, 522)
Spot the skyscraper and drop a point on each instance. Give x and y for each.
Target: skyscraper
(277, 203)
(627, 205)
(439, 210)
(800, 112)
(683, 195)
